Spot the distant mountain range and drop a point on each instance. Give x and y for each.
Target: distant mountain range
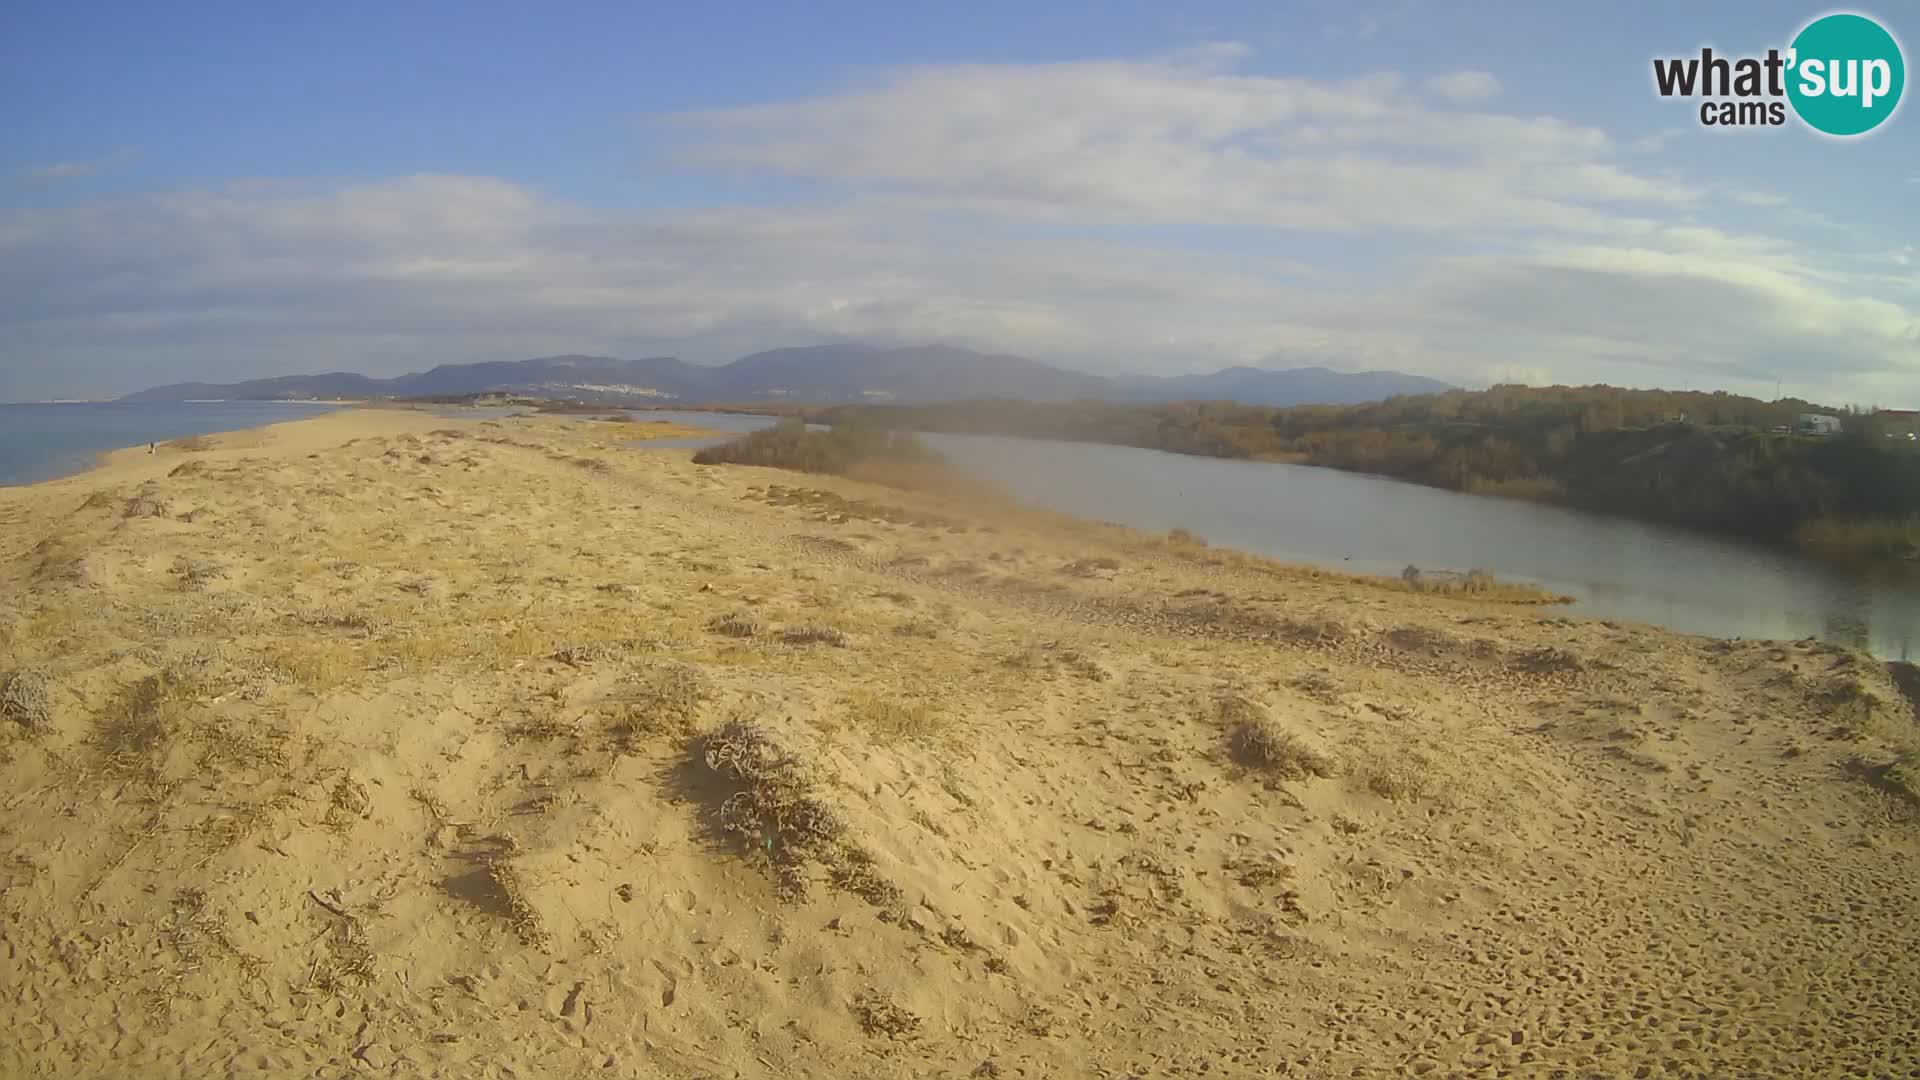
(825, 373)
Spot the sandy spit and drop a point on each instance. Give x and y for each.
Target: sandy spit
(385, 744)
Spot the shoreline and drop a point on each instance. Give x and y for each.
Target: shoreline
(83, 462)
(130, 456)
(382, 713)
(1783, 542)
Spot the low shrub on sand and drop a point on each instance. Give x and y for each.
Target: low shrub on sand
(662, 700)
(1259, 742)
(1401, 780)
(887, 720)
(26, 698)
(738, 624)
(1476, 583)
(776, 810)
(791, 445)
(814, 634)
(1856, 711)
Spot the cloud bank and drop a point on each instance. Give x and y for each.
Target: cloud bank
(1165, 215)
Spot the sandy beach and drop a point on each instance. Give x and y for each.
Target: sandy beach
(387, 744)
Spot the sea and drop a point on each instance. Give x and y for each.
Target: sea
(44, 441)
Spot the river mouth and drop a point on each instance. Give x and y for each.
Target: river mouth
(1613, 567)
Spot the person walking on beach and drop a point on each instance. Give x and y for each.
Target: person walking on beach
(150, 448)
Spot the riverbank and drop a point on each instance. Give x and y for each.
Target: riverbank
(1702, 461)
(49, 440)
(392, 743)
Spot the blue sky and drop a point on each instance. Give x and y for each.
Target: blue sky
(224, 190)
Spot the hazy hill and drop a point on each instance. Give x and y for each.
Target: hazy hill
(551, 376)
(825, 373)
(1298, 386)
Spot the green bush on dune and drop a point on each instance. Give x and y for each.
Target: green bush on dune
(791, 445)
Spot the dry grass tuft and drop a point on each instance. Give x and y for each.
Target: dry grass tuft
(347, 803)
(886, 720)
(194, 573)
(814, 634)
(1259, 742)
(1424, 640)
(1548, 660)
(1089, 567)
(1904, 774)
(1318, 686)
(544, 727)
(349, 961)
(880, 1016)
(1050, 656)
(223, 831)
(187, 932)
(366, 624)
(132, 738)
(1183, 538)
(246, 745)
(1856, 711)
(26, 698)
(319, 665)
(738, 624)
(853, 871)
(521, 914)
(663, 700)
(595, 652)
(1403, 779)
(146, 506)
(1262, 872)
(1898, 779)
(1234, 710)
(835, 509)
(776, 810)
(1083, 665)
(1476, 583)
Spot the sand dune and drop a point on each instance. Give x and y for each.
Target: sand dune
(386, 744)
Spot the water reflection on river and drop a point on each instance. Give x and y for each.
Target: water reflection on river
(1614, 567)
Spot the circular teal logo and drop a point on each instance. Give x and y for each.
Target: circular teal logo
(1845, 74)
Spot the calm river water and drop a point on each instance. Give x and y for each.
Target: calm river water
(1614, 567)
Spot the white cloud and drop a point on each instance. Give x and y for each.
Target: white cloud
(1464, 87)
(60, 172)
(1657, 141)
(430, 269)
(1161, 216)
(1146, 143)
(57, 171)
(1208, 55)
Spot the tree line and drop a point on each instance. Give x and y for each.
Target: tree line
(1711, 460)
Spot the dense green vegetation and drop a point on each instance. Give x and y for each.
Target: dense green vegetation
(1713, 461)
(790, 445)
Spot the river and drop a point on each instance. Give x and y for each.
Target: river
(1613, 567)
